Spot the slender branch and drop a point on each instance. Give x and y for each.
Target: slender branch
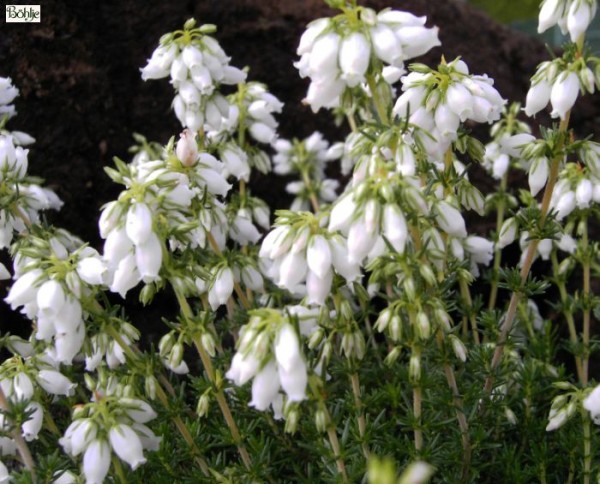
(466, 297)
(586, 305)
(562, 288)
(22, 446)
(335, 446)
(362, 424)
(587, 447)
(531, 250)
(460, 414)
(186, 312)
(498, 251)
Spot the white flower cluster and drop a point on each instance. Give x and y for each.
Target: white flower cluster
(136, 228)
(8, 93)
(197, 66)
(94, 434)
(17, 377)
(572, 16)
(269, 352)
(438, 107)
(29, 197)
(302, 260)
(308, 159)
(560, 85)
(335, 56)
(53, 301)
(571, 192)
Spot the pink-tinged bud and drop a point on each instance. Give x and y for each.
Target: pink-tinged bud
(318, 256)
(564, 94)
(294, 381)
(96, 461)
(187, 148)
(450, 220)
(265, 387)
(138, 224)
(127, 445)
(550, 12)
(538, 175)
(354, 57)
(583, 193)
(579, 17)
(55, 383)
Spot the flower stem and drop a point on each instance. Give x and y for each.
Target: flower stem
(586, 302)
(379, 106)
(119, 470)
(460, 414)
(528, 262)
(362, 424)
(468, 301)
(22, 447)
(311, 192)
(587, 446)
(567, 313)
(498, 251)
(417, 411)
(186, 312)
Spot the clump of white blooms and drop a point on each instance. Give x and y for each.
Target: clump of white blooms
(374, 268)
(308, 159)
(572, 16)
(336, 56)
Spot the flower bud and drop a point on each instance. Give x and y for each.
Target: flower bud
(203, 405)
(321, 420)
(508, 233)
(414, 368)
(423, 328)
(393, 356)
(187, 148)
(537, 98)
(583, 193)
(459, 348)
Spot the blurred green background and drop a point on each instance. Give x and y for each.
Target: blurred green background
(522, 15)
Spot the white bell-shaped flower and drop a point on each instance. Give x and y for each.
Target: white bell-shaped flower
(127, 445)
(265, 387)
(354, 57)
(55, 383)
(96, 461)
(138, 224)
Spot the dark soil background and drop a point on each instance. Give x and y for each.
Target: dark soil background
(82, 96)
